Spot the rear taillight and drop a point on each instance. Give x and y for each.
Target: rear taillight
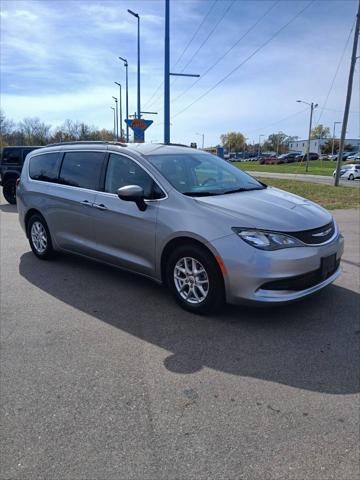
(17, 182)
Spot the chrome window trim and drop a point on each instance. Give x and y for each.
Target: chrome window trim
(89, 189)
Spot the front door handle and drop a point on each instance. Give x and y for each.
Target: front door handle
(100, 206)
(86, 203)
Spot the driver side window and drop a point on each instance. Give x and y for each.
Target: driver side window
(121, 171)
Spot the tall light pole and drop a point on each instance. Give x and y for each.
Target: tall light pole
(259, 149)
(167, 74)
(333, 139)
(117, 117)
(136, 15)
(312, 106)
(127, 96)
(114, 134)
(120, 110)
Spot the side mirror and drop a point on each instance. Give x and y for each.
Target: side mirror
(133, 193)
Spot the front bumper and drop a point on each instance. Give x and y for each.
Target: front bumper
(248, 269)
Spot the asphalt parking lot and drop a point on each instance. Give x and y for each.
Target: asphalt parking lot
(104, 377)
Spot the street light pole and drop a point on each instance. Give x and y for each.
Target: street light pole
(120, 110)
(136, 15)
(114, 134)
(333, 139)
(117, 117)
(127, 97)
(312, 108)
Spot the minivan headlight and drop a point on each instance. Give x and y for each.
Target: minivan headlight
(267, 240)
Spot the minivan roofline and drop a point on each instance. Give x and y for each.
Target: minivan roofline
(86, 142)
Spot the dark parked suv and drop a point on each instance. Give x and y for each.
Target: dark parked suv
(11, 162)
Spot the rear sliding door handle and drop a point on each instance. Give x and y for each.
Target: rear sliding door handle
(86, 203)
(100, 206)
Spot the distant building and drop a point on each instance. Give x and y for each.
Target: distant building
(316, 143)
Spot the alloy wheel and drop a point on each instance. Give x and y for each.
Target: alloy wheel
(191, 280)
(39, 237)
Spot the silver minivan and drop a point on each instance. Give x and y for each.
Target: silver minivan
(180, 216)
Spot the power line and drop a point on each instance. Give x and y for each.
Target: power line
(228, 51)
(246, 59)
(335, 75)
(150, 101)
(278, 121)
(196, 32)
(209, 35)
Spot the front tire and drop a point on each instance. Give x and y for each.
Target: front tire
(9, 191)
(39, 237)
(195, 279)
(351, 176)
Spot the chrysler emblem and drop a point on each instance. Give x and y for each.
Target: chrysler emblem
(323, 233)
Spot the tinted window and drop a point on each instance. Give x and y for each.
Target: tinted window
(122, 171)
(11, 155)
(44, 167)
(82, 169)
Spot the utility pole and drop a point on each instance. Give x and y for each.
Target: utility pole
(167, 74)
(348, 98)
(312, 106)
(277, 143)
(333, 139)
(259, 149)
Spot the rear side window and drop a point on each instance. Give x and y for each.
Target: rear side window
(12, 155)
(82, 169)
(44, 167)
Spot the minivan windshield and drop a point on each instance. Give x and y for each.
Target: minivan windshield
(202, 174)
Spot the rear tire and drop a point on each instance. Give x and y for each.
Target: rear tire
(39, 237)
(351, 177)
(9, 191)
(195, 279)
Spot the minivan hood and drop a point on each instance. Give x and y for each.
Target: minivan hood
(268, 209)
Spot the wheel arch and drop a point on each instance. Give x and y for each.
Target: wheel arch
(29, 214)
(176, 242)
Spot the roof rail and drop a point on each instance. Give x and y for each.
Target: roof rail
(75, 142)
(175, 144)
(86, 142)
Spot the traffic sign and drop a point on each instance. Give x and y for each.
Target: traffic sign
(138, 125)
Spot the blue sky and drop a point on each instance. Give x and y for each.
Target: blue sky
(59, 60)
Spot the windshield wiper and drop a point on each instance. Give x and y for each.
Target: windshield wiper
(244, 190)
(200, 194)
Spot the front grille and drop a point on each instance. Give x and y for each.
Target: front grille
(316, 235)
(301, 282)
